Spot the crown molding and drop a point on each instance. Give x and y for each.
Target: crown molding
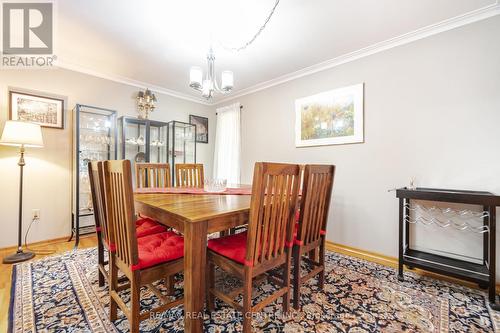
(128, 81)
(430, 30)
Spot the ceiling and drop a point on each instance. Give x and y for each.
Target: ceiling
(154, 43)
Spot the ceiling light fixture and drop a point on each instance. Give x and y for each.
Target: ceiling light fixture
(209, 85)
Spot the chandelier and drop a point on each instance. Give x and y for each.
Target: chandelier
(209, 86)
(145, 103)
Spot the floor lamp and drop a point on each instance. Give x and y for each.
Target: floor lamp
(21, 134)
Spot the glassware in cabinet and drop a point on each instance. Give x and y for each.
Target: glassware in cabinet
(94, 139)
(181, 144)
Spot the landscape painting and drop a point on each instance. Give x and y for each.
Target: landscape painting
(330, 118)
(45, 111)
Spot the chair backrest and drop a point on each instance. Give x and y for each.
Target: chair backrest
(189, 175)
(96, 177)
(119, 199)
(152, 175)
(272, 211)
(315, 202)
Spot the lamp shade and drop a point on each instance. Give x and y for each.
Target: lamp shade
(19, 133)
(195, 77)
(227, 80)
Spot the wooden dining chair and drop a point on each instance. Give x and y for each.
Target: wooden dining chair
(105, 235)
(310, 231)
(152, 175)
(142, 260)
(265, 246)
(189, 175)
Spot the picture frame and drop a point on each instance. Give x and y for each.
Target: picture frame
(201, 127)
(43, 110)
(330, 118)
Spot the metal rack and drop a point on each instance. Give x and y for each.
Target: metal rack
(95, 139)
(482, 273)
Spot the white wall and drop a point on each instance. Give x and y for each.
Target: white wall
(48, 170)
(432, 111)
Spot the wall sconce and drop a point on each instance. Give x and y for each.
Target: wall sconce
(145, 103)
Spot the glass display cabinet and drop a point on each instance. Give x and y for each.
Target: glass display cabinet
(94, 139)
(181, 144)
(142, 140)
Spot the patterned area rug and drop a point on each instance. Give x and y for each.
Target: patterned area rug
(61, 293)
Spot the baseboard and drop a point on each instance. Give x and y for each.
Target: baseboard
(393, 262)
(41, 243)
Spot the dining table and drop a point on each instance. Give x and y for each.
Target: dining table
(196, 214)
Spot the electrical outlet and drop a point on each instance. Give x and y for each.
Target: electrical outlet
(36, 214)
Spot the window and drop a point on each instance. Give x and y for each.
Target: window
(227, 155)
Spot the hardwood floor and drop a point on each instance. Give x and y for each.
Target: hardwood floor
(58, 246)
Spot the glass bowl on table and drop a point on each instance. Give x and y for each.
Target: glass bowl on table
(215, 185)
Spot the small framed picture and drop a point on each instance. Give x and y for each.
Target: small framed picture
(45, 111)
(201, 128)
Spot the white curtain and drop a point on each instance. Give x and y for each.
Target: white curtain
(227, 155)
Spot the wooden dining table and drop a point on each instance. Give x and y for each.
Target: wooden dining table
(196, 216)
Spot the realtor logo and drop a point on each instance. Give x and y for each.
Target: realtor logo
(27, 29)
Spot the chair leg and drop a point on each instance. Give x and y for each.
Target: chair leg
(135, 308)
(170, 285)
(113, 284)
(100, 263)
(247, 301)
(313, 255)
(286, 283)
(210, 285)
(296, 277)
(321, 278)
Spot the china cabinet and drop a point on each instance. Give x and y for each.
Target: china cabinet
(181, 144)
(94, 139)
(142, 140)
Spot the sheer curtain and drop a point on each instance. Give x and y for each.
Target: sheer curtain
(227, 155)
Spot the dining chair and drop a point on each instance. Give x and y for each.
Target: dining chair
(105, 235)
(152, 175)
(102, 230)
(310, 231)
(266, 244)
(189, 175)
(142, 260)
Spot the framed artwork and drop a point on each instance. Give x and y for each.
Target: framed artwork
(201, 128)
(330, 118)
(46, 111)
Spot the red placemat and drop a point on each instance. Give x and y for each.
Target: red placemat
(194, 190)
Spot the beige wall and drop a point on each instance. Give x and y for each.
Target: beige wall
(48, 170)
(432, 111)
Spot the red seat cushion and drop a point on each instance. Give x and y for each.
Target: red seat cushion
(146, 226)
(159, 248)
(233, 247)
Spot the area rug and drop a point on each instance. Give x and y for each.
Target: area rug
(61, 294)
